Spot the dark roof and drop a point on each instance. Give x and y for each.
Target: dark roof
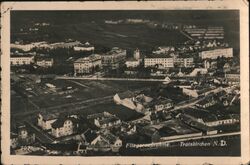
(204, 115)
(89, 135)
(59, 122)
(109, 137)
(166, 131)
(49, 116)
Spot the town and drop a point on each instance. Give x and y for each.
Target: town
(77, 98)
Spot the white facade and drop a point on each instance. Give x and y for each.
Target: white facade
(84, 47)
(213, 54)
(66, 129)
(45, 124)
(21, 60)
(165, 62)
(132, 63)
(45, 63)
(87, 64)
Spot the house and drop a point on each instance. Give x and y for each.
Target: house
(114, 59)
(162, 103)
(64, 126)
(17, 60)
(106, 141)
(45, 62)
(132, 63)
(207, 102)
(128, 128)
(104, 119)
(88, 64)
(45, 120)
(22, 137)
(88, 136)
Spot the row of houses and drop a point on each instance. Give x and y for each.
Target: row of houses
(144, 104)
(28, 59)
(76, 45)
(111, 60)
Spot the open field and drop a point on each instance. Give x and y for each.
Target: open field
(81, 90)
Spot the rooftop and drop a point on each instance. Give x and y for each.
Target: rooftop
(60, 122)
(89, 135)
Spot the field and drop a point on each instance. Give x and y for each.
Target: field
(84, 97)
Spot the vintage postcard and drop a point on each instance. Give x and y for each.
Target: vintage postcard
(125, 82)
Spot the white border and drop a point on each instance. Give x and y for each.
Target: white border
(153, 5)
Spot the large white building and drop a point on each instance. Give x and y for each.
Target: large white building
(21, 59)
(84, 47)
(218, 52)
(184, 62)
(168, 60)
(160, 60)
(87, 64)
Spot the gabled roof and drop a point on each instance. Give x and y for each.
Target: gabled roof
(89, 135)
(60, 122)
(109, 137)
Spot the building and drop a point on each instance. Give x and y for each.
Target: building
(64, 45)
(132, 63)
(223, 120)
(113, 59)
(137, 54)
(184, 62)
(88, 136)
(45, 62)
(84, 47)
(162, 103)
(105, 119)
(45, 120)
(17, 60)
(22, 137)
(217, 52)
(88, 64)
(106, 141)
(159, 60)
(232, 78)
(64, 126)
(163, 50)
(197, 71)
(207, 103)
(26, 47)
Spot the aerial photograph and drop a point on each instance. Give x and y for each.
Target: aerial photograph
(125, 83)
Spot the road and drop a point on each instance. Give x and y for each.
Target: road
(108, 79)
(40, 135)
